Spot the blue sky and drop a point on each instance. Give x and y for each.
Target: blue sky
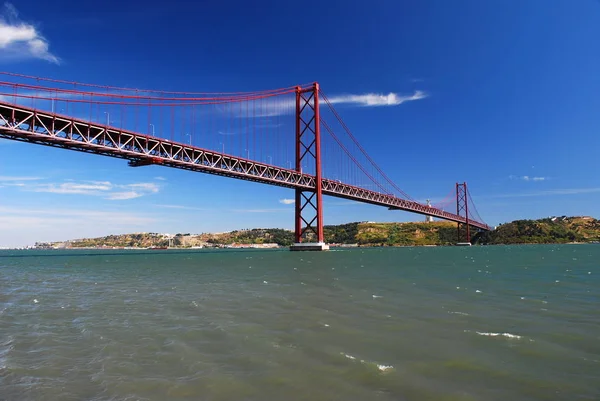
(508, 99)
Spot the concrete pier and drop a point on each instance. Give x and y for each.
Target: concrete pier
(309, 246)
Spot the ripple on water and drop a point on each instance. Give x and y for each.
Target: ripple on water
(350, 325)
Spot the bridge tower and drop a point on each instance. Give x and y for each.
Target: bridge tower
(462, 209)
(309, 202)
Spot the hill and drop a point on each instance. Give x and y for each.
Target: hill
(369, 234)
(544, 231)
(406, 234)
(550, 230)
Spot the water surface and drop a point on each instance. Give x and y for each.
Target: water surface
(480, 323)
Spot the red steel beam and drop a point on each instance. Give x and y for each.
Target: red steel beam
(309, 203)
(318, 166)
(462, 205)
(26, 124)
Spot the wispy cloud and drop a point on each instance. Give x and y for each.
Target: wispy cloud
(259, 210)
(377, 99)
(143, 186)
(23, 226)
(6, 178)
(104, 189)
(71, 188)
(181, 207)
(287, 201)
(51, 215)
(124, 195)
(277, 107)
(21, 40)
(343, 203)
(552, 192)
(160, 178)
(527, 178)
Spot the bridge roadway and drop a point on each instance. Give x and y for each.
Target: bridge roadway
(26, 124)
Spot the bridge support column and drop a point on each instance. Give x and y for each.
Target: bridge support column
(309, 202)
(462, 207)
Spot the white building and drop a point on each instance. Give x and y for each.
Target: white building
(428, 219)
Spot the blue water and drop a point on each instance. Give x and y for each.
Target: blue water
(478, 323)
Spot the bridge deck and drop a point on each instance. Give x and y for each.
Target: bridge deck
(35, 126)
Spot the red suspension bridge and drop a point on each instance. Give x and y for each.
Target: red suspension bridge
(290, 137)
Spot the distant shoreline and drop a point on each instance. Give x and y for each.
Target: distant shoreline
(225, 248)
(551, 230)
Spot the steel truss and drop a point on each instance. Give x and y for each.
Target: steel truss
(462, 206)
(309, 203)
(26, 124)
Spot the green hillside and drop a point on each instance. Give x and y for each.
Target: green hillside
(555, 230)
(544, 231)
(395, 234)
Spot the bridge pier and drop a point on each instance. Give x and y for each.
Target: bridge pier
(309, 246)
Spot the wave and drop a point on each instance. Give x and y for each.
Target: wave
(5, 348)
(507, 335)
(382, 368)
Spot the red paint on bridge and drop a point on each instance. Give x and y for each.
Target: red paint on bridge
(35, 123)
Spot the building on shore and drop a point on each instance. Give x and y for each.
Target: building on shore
(428, 219)
(254, 246)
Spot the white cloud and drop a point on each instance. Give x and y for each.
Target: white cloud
(13, 184)
(174, 206)
(276, 107)
(5, 178)
(124, 195)
(343, 203)
(160, 178)
(377, 99)
(552, 192)
(259, 210)
(143, 186)
(20, 40)
(104, 189)
(22, 226)
(287, 201)
(52, 213)
(72, 188)
(181, 207)
(527, 178)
